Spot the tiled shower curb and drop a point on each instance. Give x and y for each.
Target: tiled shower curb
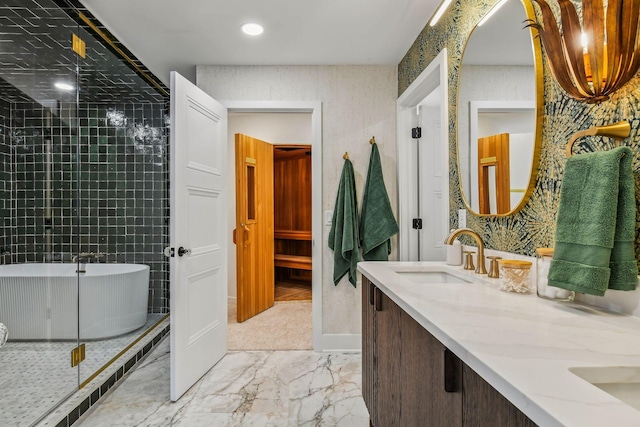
(73, 408)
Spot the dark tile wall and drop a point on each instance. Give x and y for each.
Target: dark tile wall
(122, 181)
(124, 176)
(5, 178)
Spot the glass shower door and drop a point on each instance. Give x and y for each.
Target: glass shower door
(38, 282)
(122, 205)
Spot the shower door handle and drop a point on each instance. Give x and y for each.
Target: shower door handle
(182, 251)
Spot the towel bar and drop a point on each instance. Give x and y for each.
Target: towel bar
(617, 131)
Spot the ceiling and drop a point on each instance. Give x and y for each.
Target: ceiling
(168, 35)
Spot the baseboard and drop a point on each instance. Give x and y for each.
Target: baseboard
(232, 300)
(339, 342)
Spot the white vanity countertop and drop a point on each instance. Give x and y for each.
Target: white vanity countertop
(521, 344)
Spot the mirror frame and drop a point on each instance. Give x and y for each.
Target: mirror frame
(539, 114)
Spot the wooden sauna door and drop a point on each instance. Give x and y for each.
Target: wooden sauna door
(254, 226)
(494, 173)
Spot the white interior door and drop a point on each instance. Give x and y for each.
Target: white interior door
(198, 299)
(432, 175)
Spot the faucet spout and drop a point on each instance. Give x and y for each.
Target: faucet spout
(480, 269)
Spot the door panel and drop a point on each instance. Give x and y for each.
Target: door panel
(198, 216)
(494, 185)
(254, 226)
(432, 197)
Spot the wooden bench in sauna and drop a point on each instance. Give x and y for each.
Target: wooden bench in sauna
(300, 262)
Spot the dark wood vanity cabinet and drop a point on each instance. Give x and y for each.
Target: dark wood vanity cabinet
(483, 405)
(409, 378)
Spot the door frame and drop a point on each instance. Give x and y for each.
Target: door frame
(315, 108)
(433, 80)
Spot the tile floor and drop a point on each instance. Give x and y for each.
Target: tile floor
(35, 376)
(252, 388)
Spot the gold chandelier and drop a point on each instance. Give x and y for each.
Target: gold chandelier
(593, 61)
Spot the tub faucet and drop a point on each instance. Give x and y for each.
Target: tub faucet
(480, 269)
(83, 257)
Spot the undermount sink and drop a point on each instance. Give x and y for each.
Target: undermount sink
(430, 275)
(621, 382)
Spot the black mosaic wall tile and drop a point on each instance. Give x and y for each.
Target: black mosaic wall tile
(122, 184)
(36, 52)
(5, 179)
(74, 8)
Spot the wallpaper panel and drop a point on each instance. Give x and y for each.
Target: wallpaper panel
(534, 225)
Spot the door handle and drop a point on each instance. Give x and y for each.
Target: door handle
(451, 371)
(377, 297)
(235, 235)
(372, 289)
(182, 251)
(247, 240)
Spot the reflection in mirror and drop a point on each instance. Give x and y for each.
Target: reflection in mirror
(498, 93)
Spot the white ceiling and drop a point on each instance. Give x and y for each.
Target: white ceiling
(177, 35)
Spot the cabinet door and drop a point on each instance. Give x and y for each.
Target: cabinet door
(387, 359)
(368, 333)
(425, 402)
(483, 405)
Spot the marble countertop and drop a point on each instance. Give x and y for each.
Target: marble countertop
(524, 346)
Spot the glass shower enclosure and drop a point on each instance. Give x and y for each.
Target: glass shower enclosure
(83, 140)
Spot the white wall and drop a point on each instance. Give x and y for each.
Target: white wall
(275, 128)
(358, 102)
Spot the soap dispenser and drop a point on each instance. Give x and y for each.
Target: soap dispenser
(454, 253)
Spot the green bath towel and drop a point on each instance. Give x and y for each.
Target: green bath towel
(343, 236)
(377, 223)
(595, 228)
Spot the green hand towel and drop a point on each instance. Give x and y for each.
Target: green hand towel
(595, 228)
(377, 223)
(343, 236)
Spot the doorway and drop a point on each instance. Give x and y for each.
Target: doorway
(293, 124)
(423, 164)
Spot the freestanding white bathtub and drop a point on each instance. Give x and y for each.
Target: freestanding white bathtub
(46, 301)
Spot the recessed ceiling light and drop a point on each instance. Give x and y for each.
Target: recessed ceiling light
(63, 86)
(252, 29)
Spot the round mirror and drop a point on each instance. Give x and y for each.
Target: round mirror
(500, 96)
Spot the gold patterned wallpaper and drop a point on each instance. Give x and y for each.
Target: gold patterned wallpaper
(534, 225)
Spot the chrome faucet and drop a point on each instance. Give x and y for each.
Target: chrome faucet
(480, 269)
(83, 257)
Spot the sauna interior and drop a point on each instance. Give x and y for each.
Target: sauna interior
(292, 222)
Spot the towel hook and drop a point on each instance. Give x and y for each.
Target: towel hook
(346, 155)
(617, 131)
(372, 140)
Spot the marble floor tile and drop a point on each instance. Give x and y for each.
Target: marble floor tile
(35, 376)
(252, 388)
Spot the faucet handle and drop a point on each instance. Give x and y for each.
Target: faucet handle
(468, 261)
(494, 272)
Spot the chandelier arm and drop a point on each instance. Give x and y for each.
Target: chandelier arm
(614, 34)
(571, 34)
(552, 42)
(628, 19)
(594, 25)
